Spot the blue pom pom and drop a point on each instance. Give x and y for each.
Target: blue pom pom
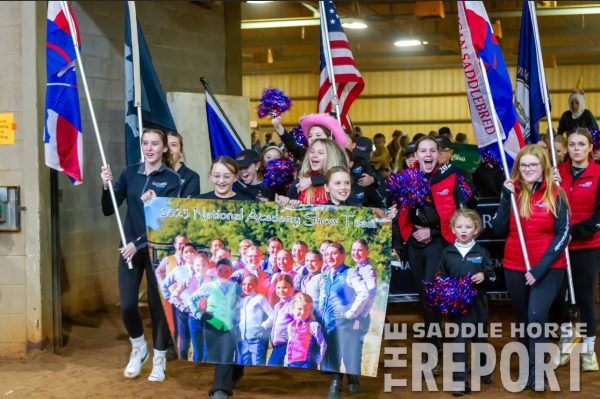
(409, 188)
(279, 174)
(465, 188)
(595, 138)
(299, 137)
(273, 103)
(450, 295)
(488, 159)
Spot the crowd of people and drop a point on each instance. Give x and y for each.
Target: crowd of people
(556, 208)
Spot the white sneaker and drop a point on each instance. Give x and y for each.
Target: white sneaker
(139, 356)
(159, 366)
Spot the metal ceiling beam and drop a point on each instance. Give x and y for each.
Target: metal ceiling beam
(314, 21)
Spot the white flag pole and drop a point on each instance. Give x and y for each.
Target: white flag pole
(328, 60)
(544, 89)
(66, 11)
(513, 201)
(137, 80)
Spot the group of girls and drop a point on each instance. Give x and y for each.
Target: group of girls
(323, 178)
(553, 216)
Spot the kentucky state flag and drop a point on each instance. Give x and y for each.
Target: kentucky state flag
(528, 93)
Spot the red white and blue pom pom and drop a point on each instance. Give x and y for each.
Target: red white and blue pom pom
(595, 138)
(273, 103)
(488, 159)
(300, 138)
(450, 295)
(279, 174)
(409, 188)
(465, 187)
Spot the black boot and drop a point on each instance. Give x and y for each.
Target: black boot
(353, 384)
(335, 385)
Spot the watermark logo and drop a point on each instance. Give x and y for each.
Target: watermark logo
(467, 356)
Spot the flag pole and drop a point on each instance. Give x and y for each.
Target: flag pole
(66, 10)
(137, 81)
(328, 60)
(546, 100)
(210, 93)
(513, 201)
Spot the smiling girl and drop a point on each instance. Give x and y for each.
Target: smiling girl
(138, 184)
(321, 156)
(544, 215)
(426, 227)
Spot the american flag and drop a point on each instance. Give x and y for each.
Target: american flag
(347, 77)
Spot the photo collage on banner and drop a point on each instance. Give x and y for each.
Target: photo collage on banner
(258, 284)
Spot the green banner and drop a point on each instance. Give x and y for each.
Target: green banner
(466, 157)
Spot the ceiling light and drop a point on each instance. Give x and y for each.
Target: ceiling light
(259, 2)
(408, 43)
(352, 23)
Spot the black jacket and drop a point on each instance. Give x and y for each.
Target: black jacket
(190, 182)
(477, 260)
(132, 183)
(260, 192)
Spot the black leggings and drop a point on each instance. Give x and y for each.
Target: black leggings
(585, 267)
(424, 264)
(532, 303)
(129, 290)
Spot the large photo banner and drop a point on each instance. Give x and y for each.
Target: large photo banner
(258, 284)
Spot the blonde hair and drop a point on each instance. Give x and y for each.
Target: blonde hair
(301, 298)
(550, 192)
(470, 214)
(334, 156)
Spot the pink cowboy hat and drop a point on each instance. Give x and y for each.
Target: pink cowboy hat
(327, 121)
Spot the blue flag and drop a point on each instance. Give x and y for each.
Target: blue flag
(223, 140)
(528, 93)
(155, 110)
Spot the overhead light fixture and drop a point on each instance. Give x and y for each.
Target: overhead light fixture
(295, 22)
(408, 43)
(259, 2)
(352, 23)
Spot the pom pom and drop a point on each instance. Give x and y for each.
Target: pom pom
(299, 137)
(279, 174)
(595, 138)
(450, 295)
(273, 103)
(465, 188)
(409, 188)
(488, 159)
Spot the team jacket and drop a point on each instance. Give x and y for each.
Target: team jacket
(446, 197)
(477, 260)
(132, 183)
(584, 200)
(190, 182)
(546, 236)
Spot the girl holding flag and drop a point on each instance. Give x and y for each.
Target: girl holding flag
(138, 184)
(544, 215)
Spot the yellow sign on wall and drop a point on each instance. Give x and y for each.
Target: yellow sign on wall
(7, 128)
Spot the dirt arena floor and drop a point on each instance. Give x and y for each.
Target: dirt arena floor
(91, 363)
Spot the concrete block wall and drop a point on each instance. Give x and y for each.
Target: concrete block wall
(24, 295)
(186, 41)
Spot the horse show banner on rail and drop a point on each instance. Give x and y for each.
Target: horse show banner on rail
(292, 301)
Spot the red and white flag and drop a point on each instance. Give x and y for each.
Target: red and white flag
(347, 77)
